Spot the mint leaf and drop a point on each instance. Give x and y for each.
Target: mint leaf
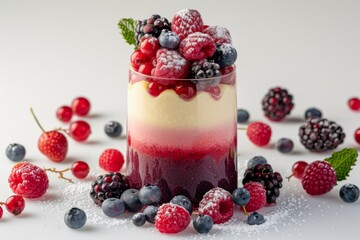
(342, 162)
(127, 27)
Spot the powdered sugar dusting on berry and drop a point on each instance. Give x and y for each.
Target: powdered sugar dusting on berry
(219, 34)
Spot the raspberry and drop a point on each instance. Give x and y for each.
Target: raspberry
(187, 21)
(171, 218)
(259, 133)
(319, 177)
(28, 180)
(197, 46)
(111, 160)
(218, 204)
(170, 64)
(257, 196)
(218, 34)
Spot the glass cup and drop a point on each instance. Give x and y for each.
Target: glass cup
(182, 134)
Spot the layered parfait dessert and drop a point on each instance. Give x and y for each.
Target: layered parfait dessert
(181, 124)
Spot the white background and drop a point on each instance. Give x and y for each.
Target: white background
(53, 51)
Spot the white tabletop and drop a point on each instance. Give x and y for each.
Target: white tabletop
(54, 51)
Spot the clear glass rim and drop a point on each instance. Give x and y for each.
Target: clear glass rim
(183, 79)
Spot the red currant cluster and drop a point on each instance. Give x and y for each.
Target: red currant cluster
(14, 204)
(354, 104)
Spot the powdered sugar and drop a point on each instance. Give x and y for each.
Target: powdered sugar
(219, 34)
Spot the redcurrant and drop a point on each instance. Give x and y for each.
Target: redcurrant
(80, 106)
(298, 169)
(79, 130)
(357, 135)
(1, 212)
(149, 46)
(185, 89)
(80, 169)
(145, 68)
(15, 204)
(64, 113)
(155, 88)
(214, 92)
(138, 58)
(354, 103)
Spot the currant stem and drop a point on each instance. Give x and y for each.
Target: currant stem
(289, 177)
(62, 129)
(60, 172)
(245, 212)
(37, 120)
(2, 203)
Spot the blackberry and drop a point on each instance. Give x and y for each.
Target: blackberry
(106, 186)
(320, 135)
(277, 103)
(264, 174)
(151, 27)
(205, 69)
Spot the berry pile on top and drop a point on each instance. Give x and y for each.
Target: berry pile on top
(183, 48)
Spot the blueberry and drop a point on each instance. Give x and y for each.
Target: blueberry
(255, 161)
(150, 213)
(131, 200)
(225, 55)
(113, 207)
(313, 113)
(183, 201)
(241, 196)
(168, 39)
(349, 193)
(203, 223)
(242, 116)
(139, 219)
(15, 152)
(113, 129)
(255, 219)
(75, 218)
(284, 145)
(150, 194)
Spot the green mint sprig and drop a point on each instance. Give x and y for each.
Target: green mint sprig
(342, 162)
(127, 30)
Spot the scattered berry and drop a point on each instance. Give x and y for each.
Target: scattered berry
(170, 64)
(225, 55)
(219, 34)
(150, 194)
(64, 113)
(80, 169)
(53, 145)
(28, 180)
(242, 116)
(218, 204)
(320, 135)
(255, 161)
(111, 160)
(113, 129)
(169, 40)
(15, 152)
(139, 219)
(168, 214)
(150, 27)
(113, 207)
(203, 223)
(255, 219)
(319, 177)
(131, 200)
(284, 145)
(272, 181)
(79, 130)
(185, 22)
(357, 135)
(1, 212)
(277, 104)
(241, 196)
(298, 169)
(150, 213)
(349, 193)
(106, 186)
(313, 113)
(75, 218)
(354, 103)
(15, 204)
(259, 133)
(80, 106)
(257, 196)
(197, 46)
(182, 201)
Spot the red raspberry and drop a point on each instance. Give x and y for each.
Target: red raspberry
(111, 160)
(171, 218)
(219, 34)
(218, 204)
(257, 196)
(197, 46)
(170, 64)
(187, 21)
(318, 178)
(259, 133)
(28, 180)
